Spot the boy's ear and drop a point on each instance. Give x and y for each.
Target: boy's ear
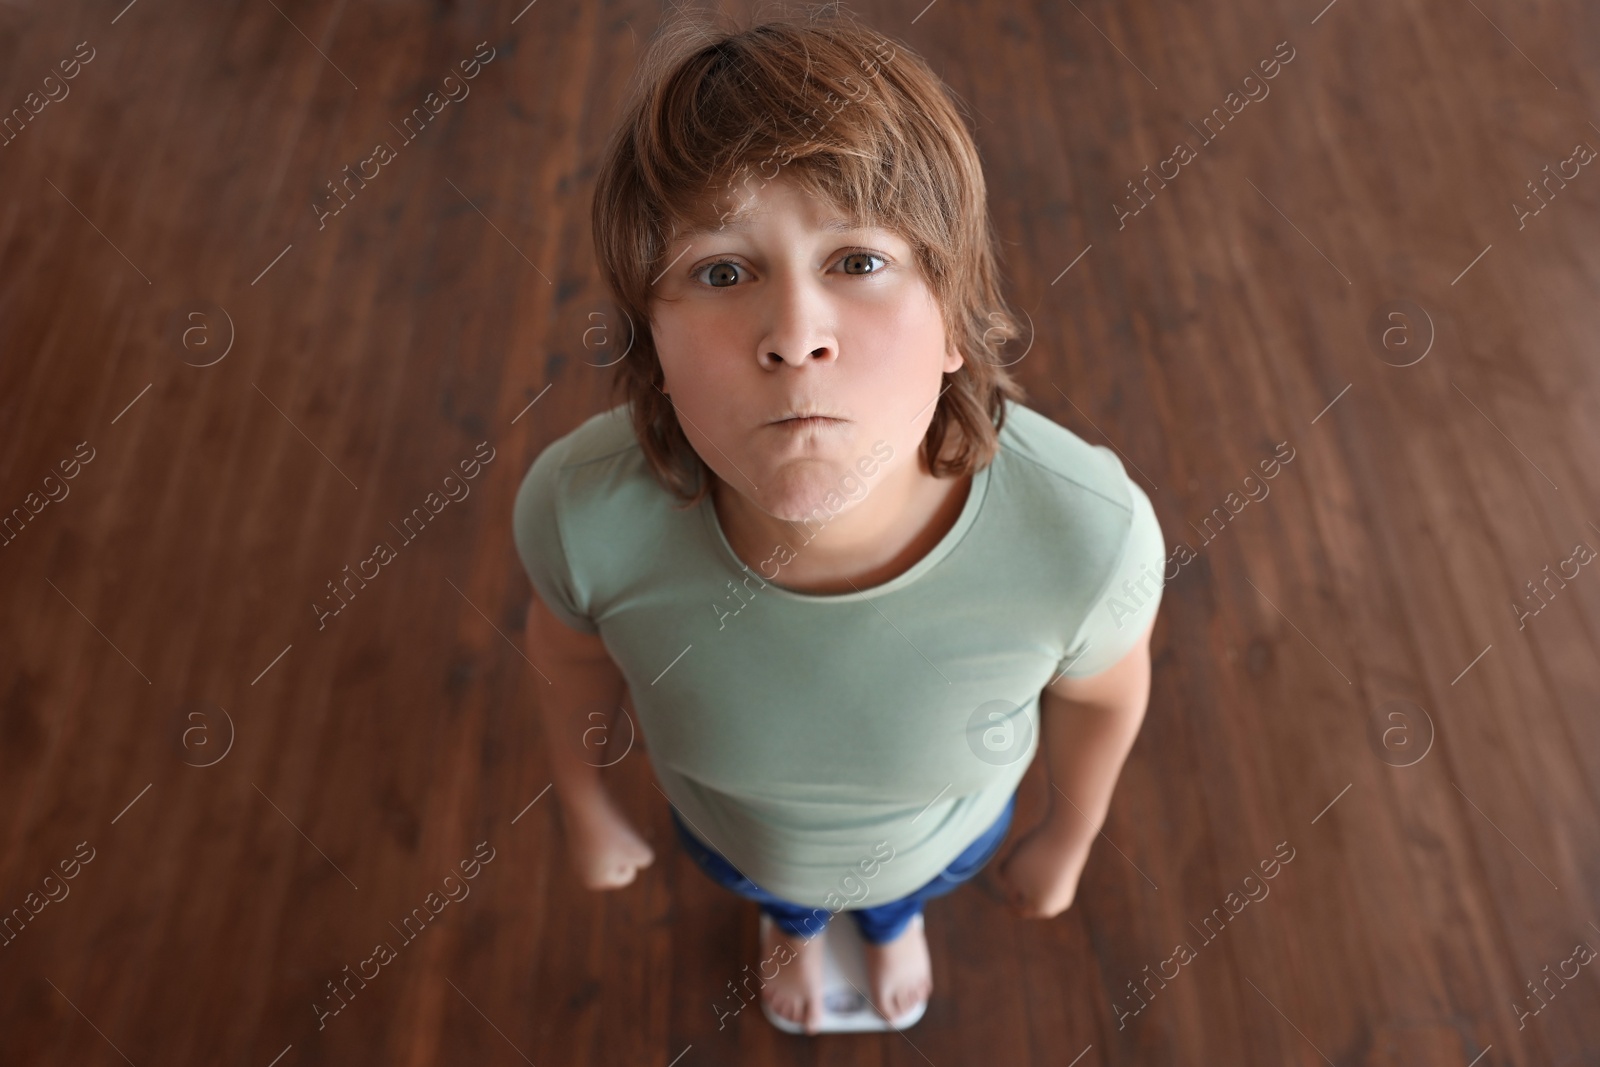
(953, 359)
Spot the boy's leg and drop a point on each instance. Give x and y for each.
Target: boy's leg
(885, 922)
(796, 920)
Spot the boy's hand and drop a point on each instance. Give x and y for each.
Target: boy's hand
(606, 851)
(1040, 877)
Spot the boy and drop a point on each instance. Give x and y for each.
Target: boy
(847, 579)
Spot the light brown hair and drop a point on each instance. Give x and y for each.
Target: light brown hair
(853, 119)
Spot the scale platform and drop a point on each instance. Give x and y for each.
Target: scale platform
(845, 1007)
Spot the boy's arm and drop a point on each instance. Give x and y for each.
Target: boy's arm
(580, 679)
(1087, 727)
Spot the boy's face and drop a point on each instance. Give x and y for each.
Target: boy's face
(777, 311)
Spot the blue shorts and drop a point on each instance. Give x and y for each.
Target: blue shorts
(878, 924)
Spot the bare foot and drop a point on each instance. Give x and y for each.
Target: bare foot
(899, 972)
(795, 992)
(607, 852)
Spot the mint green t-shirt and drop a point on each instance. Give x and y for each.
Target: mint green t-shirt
(842, 749)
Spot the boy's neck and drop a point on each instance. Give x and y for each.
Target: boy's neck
(899, 522)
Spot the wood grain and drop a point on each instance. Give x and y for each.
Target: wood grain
(446, 305)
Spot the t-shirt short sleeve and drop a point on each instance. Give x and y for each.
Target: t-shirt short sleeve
(536, 528)
(1129, 599)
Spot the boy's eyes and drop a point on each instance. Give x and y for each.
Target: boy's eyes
(724, 272)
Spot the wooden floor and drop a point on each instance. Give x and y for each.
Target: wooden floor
(250, 795)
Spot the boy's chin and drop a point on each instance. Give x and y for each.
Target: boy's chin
(812, 496)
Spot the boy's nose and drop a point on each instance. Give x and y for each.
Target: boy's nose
(775, 357)
(801, 329)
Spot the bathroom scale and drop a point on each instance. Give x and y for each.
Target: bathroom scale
(845, 1007)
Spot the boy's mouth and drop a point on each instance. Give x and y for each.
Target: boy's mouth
(807, 415)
